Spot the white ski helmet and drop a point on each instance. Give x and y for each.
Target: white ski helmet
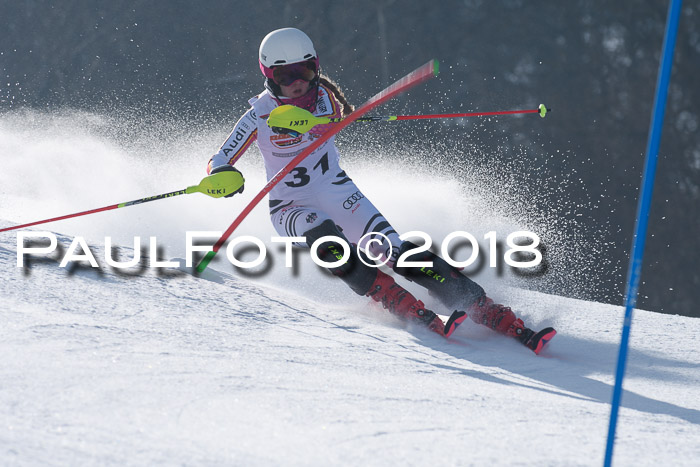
(285, 46)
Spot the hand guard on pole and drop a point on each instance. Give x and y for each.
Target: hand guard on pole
(229, 168)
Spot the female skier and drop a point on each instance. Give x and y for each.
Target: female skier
(319, 199)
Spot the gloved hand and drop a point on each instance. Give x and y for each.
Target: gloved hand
(228, 168)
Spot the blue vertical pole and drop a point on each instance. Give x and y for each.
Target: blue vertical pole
(640, 231)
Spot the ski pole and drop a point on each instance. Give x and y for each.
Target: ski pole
(216, 186)
(417, 76)
(295, 121)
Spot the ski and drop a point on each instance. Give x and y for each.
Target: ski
(536, 341)
(454, 321)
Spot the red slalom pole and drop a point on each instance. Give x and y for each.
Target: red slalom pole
(417, 76)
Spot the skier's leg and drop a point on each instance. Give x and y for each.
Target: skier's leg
(445, 282)
(457, 291)
(357, 275)
(363, 224)
(294, 219)
(370, 281)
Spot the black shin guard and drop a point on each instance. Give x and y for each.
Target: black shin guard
(354, 272)
(445, 282)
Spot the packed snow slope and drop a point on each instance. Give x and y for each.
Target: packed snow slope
(98, 368)
(288, 367)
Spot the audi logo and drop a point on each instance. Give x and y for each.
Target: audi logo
(352, 199)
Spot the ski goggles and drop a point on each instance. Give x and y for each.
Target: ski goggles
(287, 74)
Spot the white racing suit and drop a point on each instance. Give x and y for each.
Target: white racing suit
(317, 198)
(317, 189)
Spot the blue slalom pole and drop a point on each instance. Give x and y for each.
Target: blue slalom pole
(640, 232)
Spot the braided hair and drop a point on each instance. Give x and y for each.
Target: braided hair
(333, 86)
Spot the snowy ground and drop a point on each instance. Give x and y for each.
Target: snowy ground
(102, 369)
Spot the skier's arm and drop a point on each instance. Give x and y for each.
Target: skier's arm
(242, 136)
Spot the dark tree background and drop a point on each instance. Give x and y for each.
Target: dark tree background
(593, 62)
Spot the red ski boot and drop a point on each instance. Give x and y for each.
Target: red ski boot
(502, 320)
(497, 317)
(402, 303)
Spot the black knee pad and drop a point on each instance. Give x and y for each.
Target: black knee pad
(358, 275)
(447, 283)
